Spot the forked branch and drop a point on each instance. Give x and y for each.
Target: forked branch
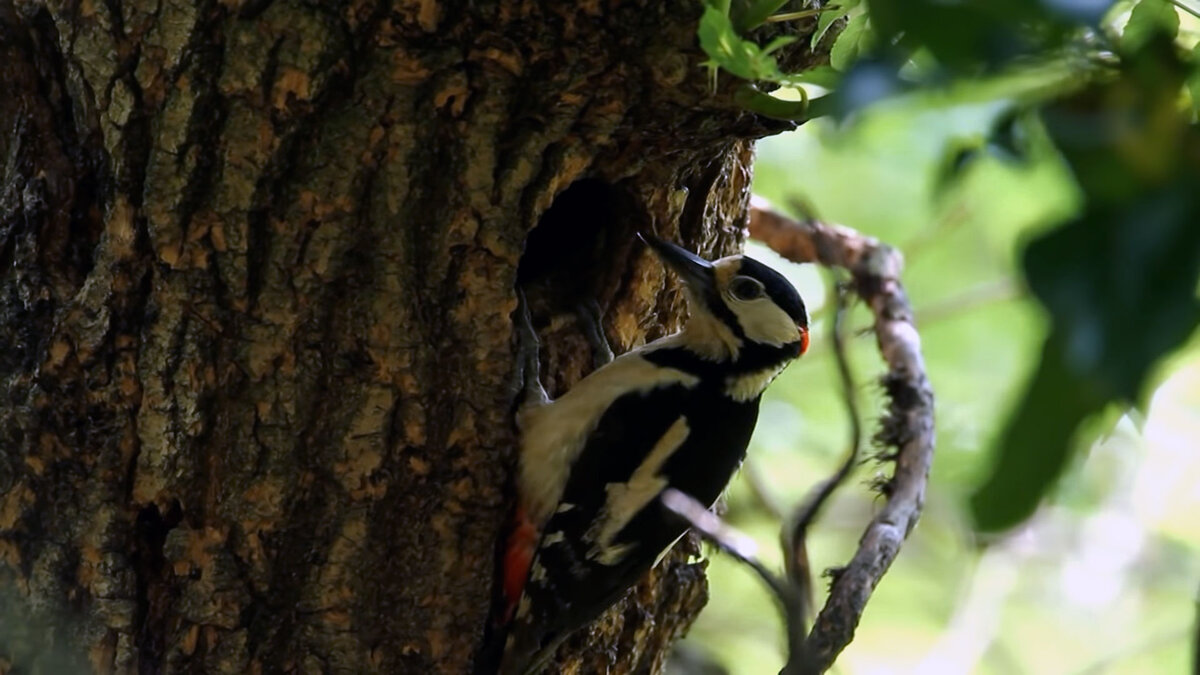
(906, 433)
(793, 590)
(907, 428)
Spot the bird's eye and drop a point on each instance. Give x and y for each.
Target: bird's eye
(745, 288)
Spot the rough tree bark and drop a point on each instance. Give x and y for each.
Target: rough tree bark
(257, 262)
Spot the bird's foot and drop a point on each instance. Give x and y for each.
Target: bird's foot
(591, 320)
(526, 385)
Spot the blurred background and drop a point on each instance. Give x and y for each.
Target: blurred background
(1104, 577)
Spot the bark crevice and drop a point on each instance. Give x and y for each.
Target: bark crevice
(259, 263)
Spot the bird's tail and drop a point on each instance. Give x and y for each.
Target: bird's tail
(516, 557)
(527, 650)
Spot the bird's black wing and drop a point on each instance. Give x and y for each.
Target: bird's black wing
(568, 585)
(562, 589)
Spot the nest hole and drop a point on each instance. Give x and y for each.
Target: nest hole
(578, 250)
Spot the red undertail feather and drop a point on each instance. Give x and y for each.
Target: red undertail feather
(518, 555)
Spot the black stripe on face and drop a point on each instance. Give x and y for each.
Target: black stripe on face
(753, 357)
(778, 288)
(716, 306)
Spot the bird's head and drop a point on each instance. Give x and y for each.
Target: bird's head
(736, 301)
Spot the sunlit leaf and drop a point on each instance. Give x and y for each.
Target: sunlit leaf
(958, 158)
(855, 39)
(822, 76)
(764, 104)
(1005, 142)
(757, 12)
(743, 58)
(779, 43)
(1008, 139)
(826, 20)
(1148, 18)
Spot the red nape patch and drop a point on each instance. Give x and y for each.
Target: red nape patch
(518, 555)
(803, 340)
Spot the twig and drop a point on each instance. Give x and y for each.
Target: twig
(1187, 7)
(1196, 639)
(795, 536)
(907, 425)
(802, 14)
(976, 296)
(710, 526)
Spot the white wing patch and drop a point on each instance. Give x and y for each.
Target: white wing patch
(611, 555)
(626, 499)
(537, 572)
(553, 435)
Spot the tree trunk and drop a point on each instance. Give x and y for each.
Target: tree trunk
(258, 263)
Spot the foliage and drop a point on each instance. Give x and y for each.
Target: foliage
(1118, 279)
(1105, 90)
(1043, 196)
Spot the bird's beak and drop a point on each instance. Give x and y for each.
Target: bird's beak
(695, 271)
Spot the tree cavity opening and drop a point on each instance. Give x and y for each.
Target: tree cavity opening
(578, 251)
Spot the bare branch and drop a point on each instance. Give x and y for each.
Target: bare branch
(742, 547)
(710, 526)
(907, 425)
(795, 535)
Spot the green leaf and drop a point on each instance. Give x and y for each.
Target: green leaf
(764, 104)
(757, 13)
(779, 43)
(822, 76)
(724, 47)
(743, 58)
(958, 158)
(826, 20)
(1037, 443)
(1119, 280)
(1120, 288)
(1193, 81)
(1119, 283)
(1146, 19)
(856, 39)
(981, 34)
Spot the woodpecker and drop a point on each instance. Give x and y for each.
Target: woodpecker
(677, 412)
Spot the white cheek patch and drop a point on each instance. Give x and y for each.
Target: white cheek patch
(764, 322)
(708, 336)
